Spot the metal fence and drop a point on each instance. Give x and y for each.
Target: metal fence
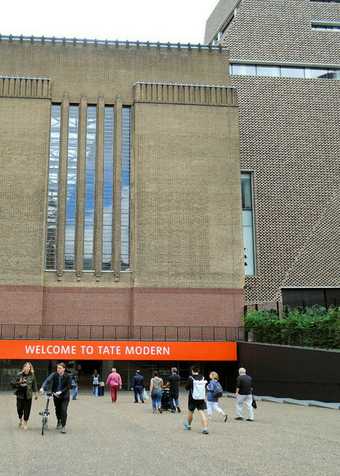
(107, 332)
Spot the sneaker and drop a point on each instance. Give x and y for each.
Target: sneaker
(63, 430)
(58, 427)
(239, 418)
(179, 410)
(20, 424)
(187, 426)
(205, 432)
(248, 419)
(24, 426)
(225, 418)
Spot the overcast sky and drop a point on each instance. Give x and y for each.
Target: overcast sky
(154, 20)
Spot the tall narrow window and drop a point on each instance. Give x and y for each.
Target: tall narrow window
(108, 189)
(71, 191)
(53, 185)
(125, 188)
(90, 181)
(248, 228)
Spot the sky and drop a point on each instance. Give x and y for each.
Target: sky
(144, 20)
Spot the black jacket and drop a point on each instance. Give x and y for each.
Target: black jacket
(53, 380)
(138, 381)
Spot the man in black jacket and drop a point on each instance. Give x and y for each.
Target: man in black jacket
(138, 386)
(60, 382)
(174, 381)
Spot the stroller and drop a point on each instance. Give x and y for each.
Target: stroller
(165, 400)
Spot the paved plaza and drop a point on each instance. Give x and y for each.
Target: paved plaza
(127, 439)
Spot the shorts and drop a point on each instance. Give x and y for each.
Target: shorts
(196, 405)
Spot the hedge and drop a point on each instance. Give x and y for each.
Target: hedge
(309, 327)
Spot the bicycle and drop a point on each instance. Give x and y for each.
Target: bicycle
(45, 413)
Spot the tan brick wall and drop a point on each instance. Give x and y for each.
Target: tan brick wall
(187, 196)
(185, 220)
(24, 136)
(289, 137)
(93, 71)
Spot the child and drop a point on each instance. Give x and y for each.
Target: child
(215, 392)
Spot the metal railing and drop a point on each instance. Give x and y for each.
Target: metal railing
(108, 332)
(98, 42)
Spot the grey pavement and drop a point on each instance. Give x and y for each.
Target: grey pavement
(127, 439)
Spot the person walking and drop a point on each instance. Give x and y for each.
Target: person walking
(196, 399)
(174, 381)
(95, 383)
(156, 384)
(74, 382)
(60, 383)
(25, 385)
(114, 381)
(138, 386)
(215, 392)
(244, 395)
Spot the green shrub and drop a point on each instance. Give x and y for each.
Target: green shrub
(310, 327)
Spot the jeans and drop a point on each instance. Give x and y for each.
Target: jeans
(214, 406)
(95, 390)
(247, 400)
(138, 391)
(74, 392)
(174, 402)
(156, 397)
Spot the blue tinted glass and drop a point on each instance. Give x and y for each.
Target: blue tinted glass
(125, 188)
(316, 73)
(90, 184)
(108, 189)
(71, 187)
(53, 184)
(270, 71)
(248, 229)
(290, 72)
(243, 69)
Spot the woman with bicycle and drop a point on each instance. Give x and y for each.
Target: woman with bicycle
(25, 385)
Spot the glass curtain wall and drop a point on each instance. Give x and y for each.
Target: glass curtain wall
(71, 187)
(90, 187)
(248, 226)
(53, 188)
(125, 188)
(108, 188)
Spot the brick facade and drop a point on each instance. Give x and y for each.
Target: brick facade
(185, 222)
(290, 139)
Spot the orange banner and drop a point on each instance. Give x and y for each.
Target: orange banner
(116, 350)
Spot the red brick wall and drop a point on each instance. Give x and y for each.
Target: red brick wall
(121, 307)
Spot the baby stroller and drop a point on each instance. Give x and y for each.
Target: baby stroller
(165, 400)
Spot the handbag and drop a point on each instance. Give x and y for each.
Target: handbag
(254, 404)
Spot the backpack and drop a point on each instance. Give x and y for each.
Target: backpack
(218, 390)
(198, 389)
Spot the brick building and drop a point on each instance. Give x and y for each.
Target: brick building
(285, 64)
(120, 185)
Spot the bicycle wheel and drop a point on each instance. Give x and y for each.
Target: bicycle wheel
(44, 425)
